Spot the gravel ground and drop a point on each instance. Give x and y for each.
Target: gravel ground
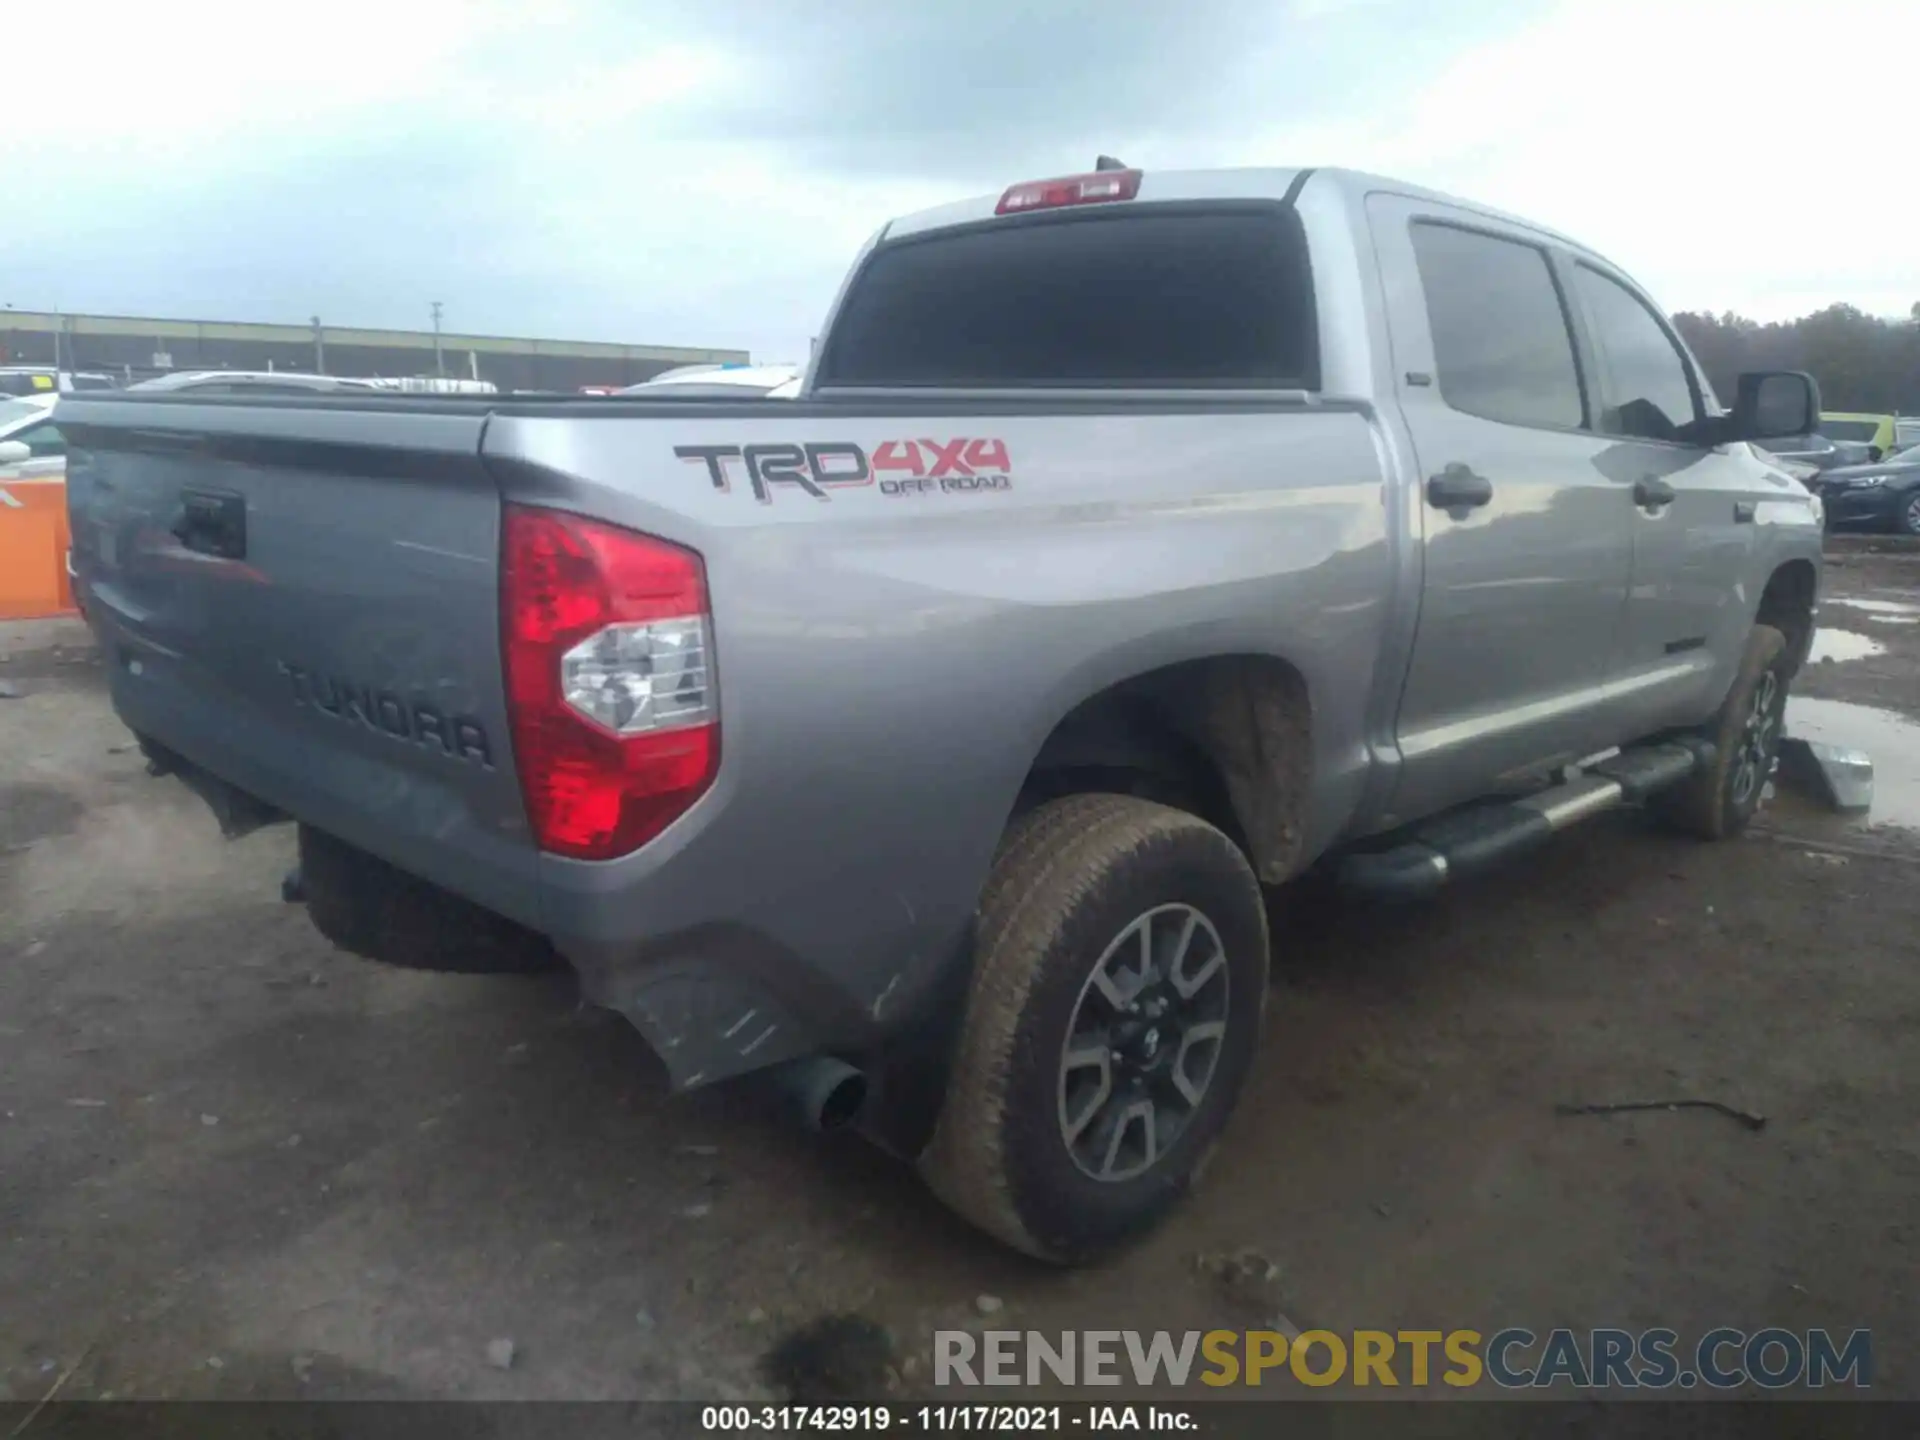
(235, 1163)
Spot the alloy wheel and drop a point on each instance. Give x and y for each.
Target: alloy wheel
(1145, 1039)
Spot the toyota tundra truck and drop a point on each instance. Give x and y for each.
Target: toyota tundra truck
(928, 741)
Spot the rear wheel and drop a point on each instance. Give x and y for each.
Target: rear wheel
(1116, 1005)
(1717, 802)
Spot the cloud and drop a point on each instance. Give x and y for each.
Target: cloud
(1709, 147)
(655, 171)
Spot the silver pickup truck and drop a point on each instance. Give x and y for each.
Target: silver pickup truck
(1136, 542)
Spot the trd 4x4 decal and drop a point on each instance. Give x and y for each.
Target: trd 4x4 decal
(896, 467)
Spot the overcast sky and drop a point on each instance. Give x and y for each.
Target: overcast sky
(699, 172)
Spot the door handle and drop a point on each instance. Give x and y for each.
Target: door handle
(212, 522)
(1651, 493)
(1458, 488)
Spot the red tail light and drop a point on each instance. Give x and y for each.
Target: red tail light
(1091, 189)
(608, 652)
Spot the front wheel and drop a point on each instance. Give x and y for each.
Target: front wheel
(1119, 984)
(1907, 518)
(1717, 802)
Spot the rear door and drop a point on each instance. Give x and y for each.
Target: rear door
(302, 599)
(1527, 546)
(1693, 508)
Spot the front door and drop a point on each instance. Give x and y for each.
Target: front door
(1694, 510)
(1527, 541)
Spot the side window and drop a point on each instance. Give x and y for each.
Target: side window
(1651, 394)
(1500, 337)
(45, 441)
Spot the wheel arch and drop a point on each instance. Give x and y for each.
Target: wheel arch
(1228, 737)
(1787, 604)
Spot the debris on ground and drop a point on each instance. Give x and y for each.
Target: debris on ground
(1237, 1268)
(703, 1151)
(1246, 1279)
(500, 1354)
(1744, 1117)
(834, 1358)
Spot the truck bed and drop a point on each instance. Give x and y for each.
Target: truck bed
(301, 598)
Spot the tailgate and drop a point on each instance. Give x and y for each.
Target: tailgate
(301, 599)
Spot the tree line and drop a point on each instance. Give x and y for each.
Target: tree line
(1863, 363)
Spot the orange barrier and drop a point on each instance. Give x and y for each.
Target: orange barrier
(33, 549)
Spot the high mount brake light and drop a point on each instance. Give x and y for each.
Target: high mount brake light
(1093, 189)
(606, 637)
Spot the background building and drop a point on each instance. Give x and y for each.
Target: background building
(134, 347)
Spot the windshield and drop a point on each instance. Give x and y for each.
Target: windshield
(16, 413)
(1849, 429)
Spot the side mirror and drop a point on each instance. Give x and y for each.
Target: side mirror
(1774, 404)
(13, 452)
(1874, 452)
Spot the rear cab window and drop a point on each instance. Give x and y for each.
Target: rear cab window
(1173, 296)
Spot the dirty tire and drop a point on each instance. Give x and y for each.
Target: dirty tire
(1069, 878)
(1708, 804)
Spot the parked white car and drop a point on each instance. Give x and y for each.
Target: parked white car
(31, 445)
(45, 380)
(774, 382)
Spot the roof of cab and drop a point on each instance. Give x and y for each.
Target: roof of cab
(1249, 183)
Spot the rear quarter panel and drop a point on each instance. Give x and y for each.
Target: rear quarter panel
(889, 663)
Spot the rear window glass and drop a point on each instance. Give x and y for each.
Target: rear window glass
(1210, 299)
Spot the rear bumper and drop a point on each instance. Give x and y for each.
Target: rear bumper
(720, 1000)
(698, 957)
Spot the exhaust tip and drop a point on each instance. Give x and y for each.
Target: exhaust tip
(821, 1092)
(841, 1104)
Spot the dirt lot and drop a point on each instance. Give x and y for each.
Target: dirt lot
(233, 1162)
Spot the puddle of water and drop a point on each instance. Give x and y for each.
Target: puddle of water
(1843, 645)
(1904, 608)
(1888, 737)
